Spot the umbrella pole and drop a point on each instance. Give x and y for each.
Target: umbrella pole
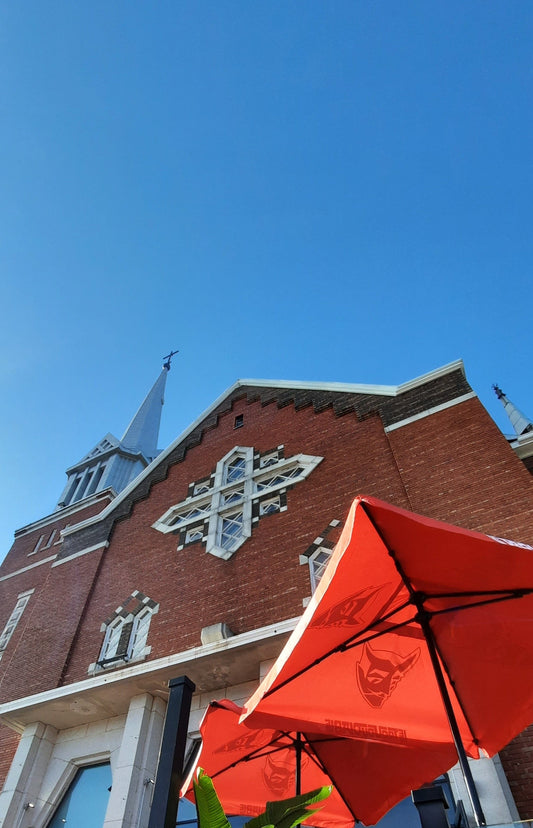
(423, 618)
(298, 764)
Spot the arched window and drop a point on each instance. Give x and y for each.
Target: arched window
(91, 784)
(126, 632)
(13, 619)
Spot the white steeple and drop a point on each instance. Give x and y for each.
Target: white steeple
(143, 431)
(519, 421)
(113, 464)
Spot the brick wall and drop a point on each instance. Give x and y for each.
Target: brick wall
(22, 553)
(263, 582)
(517, 761)
(8, 745)
(38, 651)
(457, 466)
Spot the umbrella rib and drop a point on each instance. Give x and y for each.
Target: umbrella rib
(502, 597)
(424, 619)
(306, 744)
(320, 765)
(351, 643)
(511, 593)
(347, 644)
(258, 753)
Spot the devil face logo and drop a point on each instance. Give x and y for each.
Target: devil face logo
(279, 773)
(380, 671)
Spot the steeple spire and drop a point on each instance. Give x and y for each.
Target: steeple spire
(519, 421)
(113, 464)
(143, 431)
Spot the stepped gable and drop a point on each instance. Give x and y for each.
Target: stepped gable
(391, 404)
(392, 409)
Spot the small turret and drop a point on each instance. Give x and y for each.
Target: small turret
(519, 421)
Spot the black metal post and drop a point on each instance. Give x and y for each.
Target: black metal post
(164, 810)
(431, 803)
(298, 764)
(454, 727)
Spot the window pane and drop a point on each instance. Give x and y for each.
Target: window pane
(92, 785)
(236, 470)
(232, 530)
(141, 634)
(317, 564)
(113, 640)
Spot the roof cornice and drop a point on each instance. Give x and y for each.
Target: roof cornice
(345, 387)
(119, 450)
(66, 511)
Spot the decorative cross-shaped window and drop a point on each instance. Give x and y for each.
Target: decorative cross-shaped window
(245, 487)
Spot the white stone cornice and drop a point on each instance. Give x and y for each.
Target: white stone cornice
(66, 511)
(212, 666)
(26, 568)
(429, 411)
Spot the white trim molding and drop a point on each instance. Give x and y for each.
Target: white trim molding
(435, 410)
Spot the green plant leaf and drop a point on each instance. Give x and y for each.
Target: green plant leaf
(208, 808)
(288, 813)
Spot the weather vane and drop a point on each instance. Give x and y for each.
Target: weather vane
(168, 358)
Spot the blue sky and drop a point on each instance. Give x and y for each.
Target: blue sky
(294, 190)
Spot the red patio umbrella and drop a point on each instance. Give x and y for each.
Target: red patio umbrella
(419, 633)
(251, 766)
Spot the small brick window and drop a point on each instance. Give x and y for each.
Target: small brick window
(37, 546)
(270, 506)
(317, 564)
(239, 421)
(194, 535)
(318, 554)
(13, 620)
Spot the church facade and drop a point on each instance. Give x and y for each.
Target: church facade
(199, 560)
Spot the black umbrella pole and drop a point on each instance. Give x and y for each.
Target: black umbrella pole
(454, 727)
(169, 777)
(298, 764)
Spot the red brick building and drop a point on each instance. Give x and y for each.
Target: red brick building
(201, 564)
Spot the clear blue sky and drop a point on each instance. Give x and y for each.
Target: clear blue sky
(293, 190)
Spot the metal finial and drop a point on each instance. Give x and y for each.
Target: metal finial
(498, 391)
(168, 358)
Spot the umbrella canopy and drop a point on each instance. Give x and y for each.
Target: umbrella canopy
(416, 628)
(251, 766)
